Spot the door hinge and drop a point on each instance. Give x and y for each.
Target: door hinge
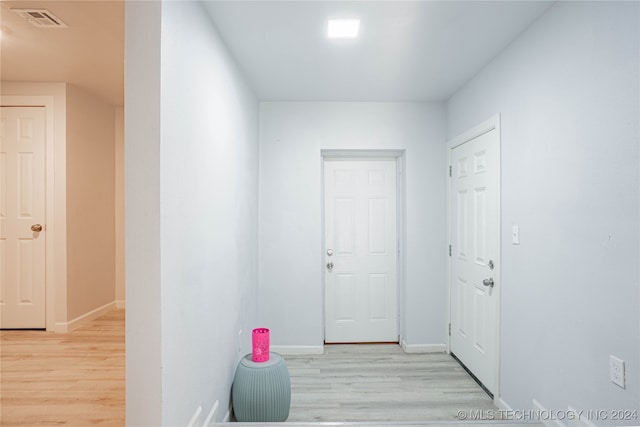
(450, 172)
(449, 250)
(449, 329)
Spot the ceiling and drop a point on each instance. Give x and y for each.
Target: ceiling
(407, 50)
(89, 54)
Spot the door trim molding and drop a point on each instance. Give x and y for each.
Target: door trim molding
(51, 238)
(371, 154)
(484, 127)
(476, 131)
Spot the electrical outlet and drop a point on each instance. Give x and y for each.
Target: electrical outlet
(616, 370)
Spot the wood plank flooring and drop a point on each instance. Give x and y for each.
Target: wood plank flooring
(380, 383)
(78, 379)
(74, 379)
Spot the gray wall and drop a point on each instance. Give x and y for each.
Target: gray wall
(292, 136)
(567, 91)
(192, 196)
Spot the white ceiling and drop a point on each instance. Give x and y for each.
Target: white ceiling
(407, 50)
(89, 54)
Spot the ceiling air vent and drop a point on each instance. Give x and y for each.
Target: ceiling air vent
(41, 18)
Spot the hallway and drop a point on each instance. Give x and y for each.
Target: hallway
(77, 379)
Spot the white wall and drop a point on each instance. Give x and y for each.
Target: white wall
(292, 136)
(209, 203)
(568, 94)
(201, 128)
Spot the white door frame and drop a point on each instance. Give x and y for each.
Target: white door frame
(50, 236)
(484, 127)
(399, 157)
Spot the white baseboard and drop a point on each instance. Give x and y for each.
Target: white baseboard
(501, 404)
(209, 420)
(195, 417)
(294, 350)
(547, 422)
(69, 326)
(423, 348)
(227, 416)
(120, 303)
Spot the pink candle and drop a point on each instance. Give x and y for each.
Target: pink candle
(260, 344)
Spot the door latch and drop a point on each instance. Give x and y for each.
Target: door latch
(488, 282)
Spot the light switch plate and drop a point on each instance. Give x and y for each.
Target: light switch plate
(515, 234)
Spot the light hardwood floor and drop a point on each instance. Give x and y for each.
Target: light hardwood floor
(381, 383)
(78, 379)
(74, 379)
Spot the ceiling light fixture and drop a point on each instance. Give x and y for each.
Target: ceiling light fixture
(343, 28)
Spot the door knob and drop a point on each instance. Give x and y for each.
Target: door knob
(329, 252)
(330, 266)
(488, 282)
(36, 227)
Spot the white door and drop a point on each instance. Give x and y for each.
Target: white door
(22, 213)
(360, 251)
(475, 255)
